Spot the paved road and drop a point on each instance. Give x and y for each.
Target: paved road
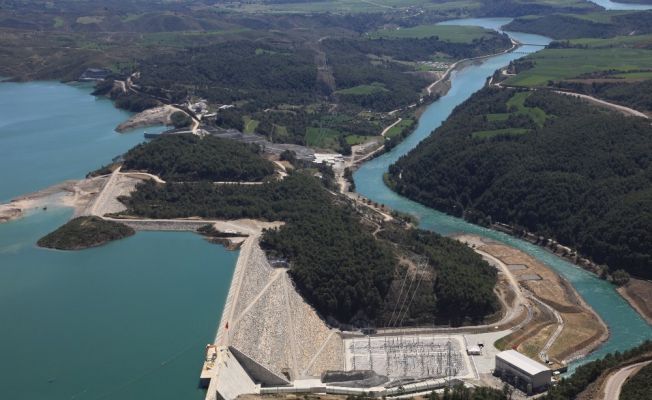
(616, 380)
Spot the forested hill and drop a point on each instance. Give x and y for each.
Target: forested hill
(349, 275)
(595, 25)
(544, 162)
(187, 157)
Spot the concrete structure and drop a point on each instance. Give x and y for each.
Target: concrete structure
(523, 372)
(473, 350)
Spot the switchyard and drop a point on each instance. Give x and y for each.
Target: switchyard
(409, 356)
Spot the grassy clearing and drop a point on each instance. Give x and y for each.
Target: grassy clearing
(500, 132)
(635, 75)
(250, 124)
(497, 117)
(449, 33)
(322, 137)
(59, 22)
(399, 128)
(356, 139)
(90, 20)
(518, 102)
(618, 41)
(363, 90)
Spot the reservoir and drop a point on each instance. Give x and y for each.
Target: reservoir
(128, 320)
(627, 328)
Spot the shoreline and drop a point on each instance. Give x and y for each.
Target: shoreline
(634, 303)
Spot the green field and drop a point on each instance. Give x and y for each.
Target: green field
(357, 139)
(561, 64)
(250, 125)
(449, 33)
(399, 128)
(535, 113)
(500, 132)
(322, 137)
(363, 90)
(640, 41)
(497, 117)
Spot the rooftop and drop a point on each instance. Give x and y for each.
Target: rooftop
(523, 362)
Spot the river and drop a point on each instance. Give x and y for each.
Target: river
(612, 5)
(128, 320)
(627, 328)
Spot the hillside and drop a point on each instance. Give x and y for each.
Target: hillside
(350, 275)
(544, 162)
(604, 24)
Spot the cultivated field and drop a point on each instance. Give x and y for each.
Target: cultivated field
(620, 57)
(449, 33)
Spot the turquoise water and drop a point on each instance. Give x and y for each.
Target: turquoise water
(128, 320)
(612, 5)
(50, 132)
(627, 327)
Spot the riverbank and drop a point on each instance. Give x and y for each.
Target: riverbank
(564, 327)
(638, 294)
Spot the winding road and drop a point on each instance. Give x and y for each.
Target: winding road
(616, 380)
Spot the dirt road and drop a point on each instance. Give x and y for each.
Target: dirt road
(616, 380)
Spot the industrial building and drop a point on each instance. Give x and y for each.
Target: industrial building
(522, 372)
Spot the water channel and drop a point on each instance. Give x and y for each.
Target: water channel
(627, 328)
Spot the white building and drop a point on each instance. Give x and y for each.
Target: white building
(522, 371)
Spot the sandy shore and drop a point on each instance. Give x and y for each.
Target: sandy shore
(152, 117)
(77, 194)
(638, 294)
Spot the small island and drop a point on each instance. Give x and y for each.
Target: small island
(84, 232)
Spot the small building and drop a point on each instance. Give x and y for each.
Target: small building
(473, 350)
(522, 372)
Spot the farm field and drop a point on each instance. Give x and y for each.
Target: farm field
(623, 57)
(399, 128)
(449, 33)
(562, 64)
(322, 137)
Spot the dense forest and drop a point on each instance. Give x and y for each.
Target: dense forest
(456, 286)
(639, 386)
(559, 26)
(337, 264)
(84, 232)
(569, 388)
(187, 158)
(582, 177)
